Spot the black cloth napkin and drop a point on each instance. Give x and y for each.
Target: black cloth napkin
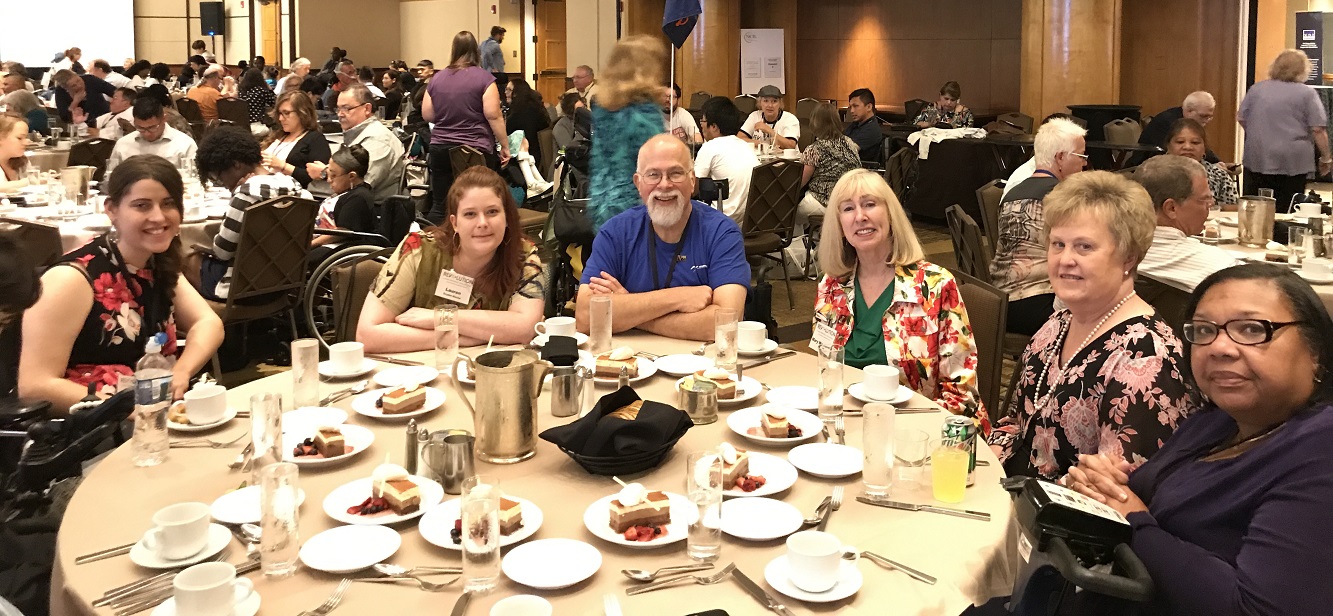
(561, 350)
(598, 435)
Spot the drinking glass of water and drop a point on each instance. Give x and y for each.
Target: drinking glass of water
(877, 446)
(446, 338)
(280, 541)
(480, 534)
(724, 338)
(830, 382)
(703, 484)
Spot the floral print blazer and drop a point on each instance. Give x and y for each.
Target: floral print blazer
(926, 332)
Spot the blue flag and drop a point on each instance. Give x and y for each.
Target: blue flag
(679, 20)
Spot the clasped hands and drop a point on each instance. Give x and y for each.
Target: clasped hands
(687, 299)
(1106, 481)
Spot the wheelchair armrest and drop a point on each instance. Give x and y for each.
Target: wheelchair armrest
(1135, 585)
(368, 238)
(203, 250)
(14, 412)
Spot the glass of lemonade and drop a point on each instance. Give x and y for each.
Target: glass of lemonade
(949, 464)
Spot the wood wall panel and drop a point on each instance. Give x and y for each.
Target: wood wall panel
(1271, 37)
(1071, 54)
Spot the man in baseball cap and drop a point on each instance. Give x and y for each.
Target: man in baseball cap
(770, 124)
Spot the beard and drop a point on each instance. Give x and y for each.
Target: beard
(666, 215)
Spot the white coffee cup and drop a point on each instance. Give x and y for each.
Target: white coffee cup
(347, 356)
(210, 589)
(750, 335)
(555, 326)
(881, 382)
(179, 531)
(813, 560)
(791, 154)
(206, 404)
(522, 605)
(1319, 268)
(1308, 209)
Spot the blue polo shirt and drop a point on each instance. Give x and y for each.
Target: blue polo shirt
(711, 252)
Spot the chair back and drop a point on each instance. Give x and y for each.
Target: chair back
(1169, 301)
(988, 200)
(1017, 120)
(807, 135)
(1122, 131)
(746, 104)
(770, 207)
(39, 240)
(698, 99)
(271, 255)
(552, 112)
(987, 310)
(464, 156)
(546, 139)
(189, 110)
(94, 153)
(913, 108)
(330, 127)
(967, 246)
(806, 108)
(393, 218)
(234, 110)
(351, 285)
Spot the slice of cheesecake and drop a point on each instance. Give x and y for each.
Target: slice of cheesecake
(773, 421)
(725, 381)
(511, 516)
(735, 465)
(610, 363)
(403, 400)
(653, 510)
(403, 495)
(329, 442)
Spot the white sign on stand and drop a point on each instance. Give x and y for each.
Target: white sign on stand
(763, 61)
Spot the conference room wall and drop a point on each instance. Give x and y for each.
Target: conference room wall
(428, 28)
(369, 30)
(164, 29)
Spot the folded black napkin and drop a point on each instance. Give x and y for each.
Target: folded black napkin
(598, 435)
(561, 350)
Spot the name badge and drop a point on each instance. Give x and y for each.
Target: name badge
(824, 336)
(454, 287)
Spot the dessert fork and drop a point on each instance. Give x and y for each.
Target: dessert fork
(698, 579)
(423, 584)
(841, 429)
(332, 602)
(834, 504)
(205, 442)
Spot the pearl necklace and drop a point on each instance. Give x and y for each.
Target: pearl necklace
(1060, 375)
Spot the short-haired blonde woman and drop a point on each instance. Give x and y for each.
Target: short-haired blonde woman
(886, 303)
(1284, 124)
(1105, 374)
(627, 113)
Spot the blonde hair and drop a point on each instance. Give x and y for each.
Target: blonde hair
(1290, 65)
(634, 72)
(1121, 203)
(8, 122)
(836, 256)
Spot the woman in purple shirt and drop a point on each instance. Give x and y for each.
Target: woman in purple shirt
(463, 104)
(1284, 123)
(1234, 515)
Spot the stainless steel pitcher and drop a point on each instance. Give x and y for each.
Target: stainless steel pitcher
(1254, 220)
(567, 386)
(505, 415)
(448, 457)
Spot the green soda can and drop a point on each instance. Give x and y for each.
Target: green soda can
(961, 430)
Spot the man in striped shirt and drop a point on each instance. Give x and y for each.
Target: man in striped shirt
(1180, 194)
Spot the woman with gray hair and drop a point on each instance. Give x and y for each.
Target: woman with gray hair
(352, 206)
(1284, 124)
(1105, 374)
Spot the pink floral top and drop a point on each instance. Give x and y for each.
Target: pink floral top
(926, 332)
(1123, 395)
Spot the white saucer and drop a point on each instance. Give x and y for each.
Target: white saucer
(747, 389)
(195, 220)
(580, 339)
(357, 491)
(365, 404)
(248, 607)
(795, 396)
(778, 473)
(311, 418)
(356, 437)
(778, 575)
(344, 549)
(827, 460)
(227, 416)
(242, 506)
(396, 376)
(1312, 279)
(743, 420)
(328, 371)
(647, 368)
(683, 364)
(437, 523)
(218, 538)
(760, 519)
(858, 391)
(534, 564)
(597, 517)
(521, 604)
(770, 345)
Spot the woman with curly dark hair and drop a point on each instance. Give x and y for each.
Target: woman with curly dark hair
(296, 140)
(102, 302)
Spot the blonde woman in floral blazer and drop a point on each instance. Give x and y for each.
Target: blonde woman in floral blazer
(873, 266)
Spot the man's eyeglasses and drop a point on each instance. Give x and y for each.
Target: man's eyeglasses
(653, 176)
(1083, 156)
(1241, 331)
(350, 108)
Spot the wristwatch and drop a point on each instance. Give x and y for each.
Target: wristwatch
(324, 173)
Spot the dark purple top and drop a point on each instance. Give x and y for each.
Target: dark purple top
(1247, 535)
(459, 118)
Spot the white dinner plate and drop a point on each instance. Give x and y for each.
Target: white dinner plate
(200, 218)
(356, 492)
(795, 396)
(311, 418)
(580, 339)
(747, 389)
(827, 460)
(548, 564)
(437, 523)
(1313, 279)
(597, 517)
(858, 391)
(770, 345)
(760, 519)
(242, 506)
(647, 368)
(744, 420)
(365, 404)
(227, 416)
(396, 376)
(328, 371)
(248, 607)
(779, 475)
(99, 223)
(218, 538)
(356, 437)
(345, 549)
(778, 575)
(683, 364)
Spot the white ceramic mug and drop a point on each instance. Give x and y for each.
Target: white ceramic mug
(1318, 268)
(206, 404)
(210, 589)
(347, 356)
(750, 335)
(791, 154)
(814, 559)
(555, 326)
(179, 531)
(522, 605)
(881, 382)
(1308, 209)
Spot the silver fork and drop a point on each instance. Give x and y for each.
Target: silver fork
(834, 505)
(206, 442)
(332, 602)
(840, 428)
(698, 579)
(647, 355)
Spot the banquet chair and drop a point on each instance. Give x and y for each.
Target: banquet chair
(552, 112)
(746, 104)
(806, 108)
(234, 111)
(987, 310)
(912, 108)
(1169, 302)
(988, 200)
(1017, 120)
(40, 240)
(546, 139)
(338, 287)
(698, 99)
(770, 214)
(189, 109)
(94, 153)
(973, 258)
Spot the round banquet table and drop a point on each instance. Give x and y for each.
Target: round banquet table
(973, 560)
(1229, 232)
(74, 233)
(47, 158)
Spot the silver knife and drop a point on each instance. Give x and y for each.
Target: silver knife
(460, 607)
(962, 513)
(760, 594)
(765, 360)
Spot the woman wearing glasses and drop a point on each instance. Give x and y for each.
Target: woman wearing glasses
(297, 139)
(1235, 513)
(1104, 374)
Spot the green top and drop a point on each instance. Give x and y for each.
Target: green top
(865, 345)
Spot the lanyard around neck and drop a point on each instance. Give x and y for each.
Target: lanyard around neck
(675, 259)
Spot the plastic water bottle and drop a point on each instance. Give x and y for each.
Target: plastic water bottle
(152, 399)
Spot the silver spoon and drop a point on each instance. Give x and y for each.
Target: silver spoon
(642, 575)
(356, 388)
(398, 571)
(423, 584)
(828, 500)
(700, 350)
